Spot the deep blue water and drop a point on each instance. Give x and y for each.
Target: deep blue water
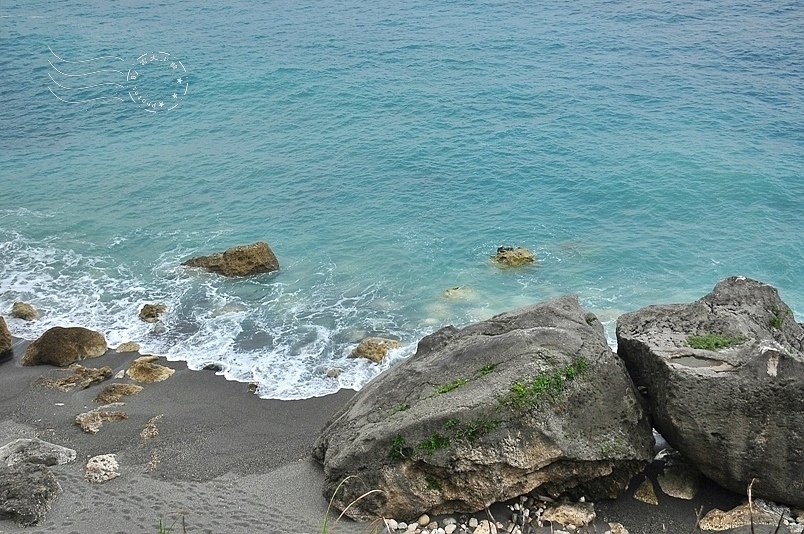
(384, 149)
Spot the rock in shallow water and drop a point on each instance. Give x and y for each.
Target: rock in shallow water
(151, 313)
(528, 399)
(374, 348)
(64, 346)
(513, 256)
(242, 260)
(24, 311)
(725, 384)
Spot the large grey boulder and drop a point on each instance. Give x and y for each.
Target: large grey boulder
(64, 346)
(242, 260)
(6, 341)
(529, 399)
(35, 451)
(735, 408)
(26, 492)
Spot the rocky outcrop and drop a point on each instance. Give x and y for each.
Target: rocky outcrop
(529, 399)
(6, 352)
(724, 378)
(513, 256)
(92, 421)
(374, 349)
(144, 370)
(102, 468)
(151, 313)
(24, 311)
(242, 260)
(26, 492)
(115, 392)
(80, 377)
(64, 346)
(35, 451)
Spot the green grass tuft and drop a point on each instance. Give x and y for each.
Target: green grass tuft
(455, 384)
(399, 449)
(486, 369)
(400, 408)
(528, 393)
(435, 442)
(713, 341)
(777, 318)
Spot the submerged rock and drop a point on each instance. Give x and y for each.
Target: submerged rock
(6, 341)
(102, 468)
(242, 260)
(724, 378)
(92, 421)
(24, 311)
(80, 377)
(114, 392)
(151, 313)
(531, 399)
(374, 348)
(26, 492)
(144, 370)
(64, 346)
(35, 451)
(513, 256)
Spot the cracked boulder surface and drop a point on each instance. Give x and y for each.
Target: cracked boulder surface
(736, 408)
(530, 399)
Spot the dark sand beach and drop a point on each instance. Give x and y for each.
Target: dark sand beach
(224, 460)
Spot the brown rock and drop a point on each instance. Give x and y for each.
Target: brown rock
(24, 311)
(64, 346)
(646, 493)
(374, 348)
(513, 256)
(617, 528)
(144, 370)
(5, 341)
(92, 421)
(129, 346)
(242, 260)
(577, 514)
(114, 392)
(150, 431)
(762, 512)
(81, 377)
(150, 313)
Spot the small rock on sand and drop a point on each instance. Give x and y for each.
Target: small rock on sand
(576, 514)
(64, 346)
(646, 493)
(144, 370)
(150, 431)
(102, 468)
(128, 346)
(81, 377)
(114, 392)
(35, 451)
(763, 512)
(27, 492)
(92, 421)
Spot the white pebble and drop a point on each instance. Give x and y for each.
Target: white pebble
(473, 522)
(449, 529)
(449, 521)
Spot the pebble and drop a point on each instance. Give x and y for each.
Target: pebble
(473, 522)
(424, 520)
(449, 521)
(432, 525)
(449, 529)
(391, 524)
(402, 526)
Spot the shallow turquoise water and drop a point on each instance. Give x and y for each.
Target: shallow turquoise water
(384, 151)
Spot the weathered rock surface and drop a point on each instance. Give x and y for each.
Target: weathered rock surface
(64, 346)
(151, 313)
(114, 392)
(128, 346)
(144, 370)
(577, 514)
(6, 341)
(80, 377)
(35, 451)
(26, 492)
(762, 512)
(242, 260)
(374, 348)
(528, 399)
(513, 256)
(102, 468)
(24, 311)
(646, 493)
(737, 413)
(678, 478)
(92, 421)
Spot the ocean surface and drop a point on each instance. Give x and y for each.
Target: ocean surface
(642, 150)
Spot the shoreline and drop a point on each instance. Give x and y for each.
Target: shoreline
(226, 460)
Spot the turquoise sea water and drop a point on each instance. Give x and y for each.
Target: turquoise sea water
(642, 150)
